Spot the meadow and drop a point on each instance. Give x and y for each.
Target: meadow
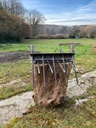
(62, 117)
(83, 52)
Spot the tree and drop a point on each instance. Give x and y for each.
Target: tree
(88, 31)
(93, 32)
(34, 19)
(13, 6)
(12, 27)
(1, 6)
(75, 31)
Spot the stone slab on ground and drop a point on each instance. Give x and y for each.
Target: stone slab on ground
(85, 81)
(17, 105)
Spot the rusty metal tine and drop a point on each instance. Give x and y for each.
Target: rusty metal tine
(73, 62)
(75, 72)
(43, 71)
(73, 67)
(65, 70)
(32, 70)
(32, 48)
(54, 70)
(64, 63)
(71, 48)
(50, 67)
(61, 66)
(38, 68)
(32, 60)
(63, 60)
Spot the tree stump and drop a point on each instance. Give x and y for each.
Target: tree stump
(52, 94)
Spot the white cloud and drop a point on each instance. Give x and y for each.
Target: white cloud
(75, 16)
(36, 4)
(91, 6)
(81, 15)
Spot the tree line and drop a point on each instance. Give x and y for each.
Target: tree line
(59, 31)
(16, 22)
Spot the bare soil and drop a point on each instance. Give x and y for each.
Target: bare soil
(13, 56)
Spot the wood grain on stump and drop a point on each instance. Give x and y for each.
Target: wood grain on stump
(52, 94)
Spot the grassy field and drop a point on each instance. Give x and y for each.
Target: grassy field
(67, 116)
(45, 45)
(83, 52)
(84, 58)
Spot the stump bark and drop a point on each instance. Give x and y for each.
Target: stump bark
(52, 94)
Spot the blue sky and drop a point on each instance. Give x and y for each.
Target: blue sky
(65, 12)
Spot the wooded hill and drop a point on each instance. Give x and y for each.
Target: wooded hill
(17, 23)
(59, 31)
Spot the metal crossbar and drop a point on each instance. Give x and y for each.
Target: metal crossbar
(72, 45)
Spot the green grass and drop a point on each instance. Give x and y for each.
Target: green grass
(51, 45)
(21, 69)
(14, 71)
(66, 116)
(84, 56)
(83, 52)
(7, 92)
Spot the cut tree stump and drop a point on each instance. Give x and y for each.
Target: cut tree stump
(52, 94)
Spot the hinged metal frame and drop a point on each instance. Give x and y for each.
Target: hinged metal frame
(51, 58)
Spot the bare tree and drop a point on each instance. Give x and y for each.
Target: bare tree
(13, 6)
(1, 6)
(34, 19)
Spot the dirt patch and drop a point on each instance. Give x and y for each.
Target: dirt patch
(13, 56)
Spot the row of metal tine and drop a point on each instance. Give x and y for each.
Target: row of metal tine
(53, 70)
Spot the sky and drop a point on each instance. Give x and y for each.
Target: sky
(64, 12)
